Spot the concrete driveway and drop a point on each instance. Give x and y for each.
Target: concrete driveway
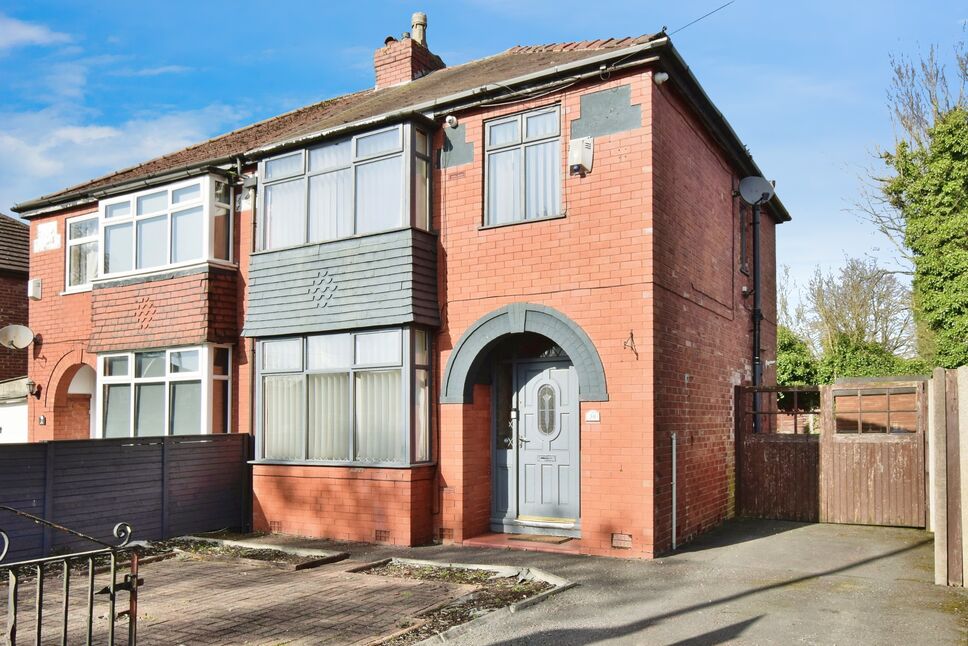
(749, 582)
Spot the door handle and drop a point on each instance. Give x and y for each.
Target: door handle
(522, 441)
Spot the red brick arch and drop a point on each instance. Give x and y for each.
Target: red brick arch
(70, 414)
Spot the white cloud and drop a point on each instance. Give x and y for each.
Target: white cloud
(155, 71)
(17, 33)
(50, 149)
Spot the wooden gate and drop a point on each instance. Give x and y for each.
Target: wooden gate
(872, 454)
(778, 453)
(848, 453)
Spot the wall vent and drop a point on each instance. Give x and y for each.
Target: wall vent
(383, 536)
(275, 526)
(446, 534)
(622, 541)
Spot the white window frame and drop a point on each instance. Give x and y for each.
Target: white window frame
(205, 375)
(523, 143)
(69, 242)
(408, 413)
(207, 201)
(405, 149)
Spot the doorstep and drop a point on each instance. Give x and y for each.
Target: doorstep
(515, 542)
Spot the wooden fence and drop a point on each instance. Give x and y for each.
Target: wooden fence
(161, 486)
(848, 453)
(948, 473)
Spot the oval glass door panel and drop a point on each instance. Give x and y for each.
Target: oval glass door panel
(547, 410)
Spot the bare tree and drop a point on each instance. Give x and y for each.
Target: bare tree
(920, 92)
(864, 303)
(790, 313)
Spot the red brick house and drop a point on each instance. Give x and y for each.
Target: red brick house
(434, 323)
(14, 261)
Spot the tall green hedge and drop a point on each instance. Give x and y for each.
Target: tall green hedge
(930, 189)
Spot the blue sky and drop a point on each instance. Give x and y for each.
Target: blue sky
(92, 86)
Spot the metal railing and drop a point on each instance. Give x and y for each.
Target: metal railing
(20, 572)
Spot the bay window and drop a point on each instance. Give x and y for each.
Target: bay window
(181, 391)
(82, 252)
(167, 226)
(352, 186)
(523, 167)
(346, 398)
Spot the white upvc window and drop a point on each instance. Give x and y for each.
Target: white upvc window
(169, 226)
(81, 253)
(175, 391)
(523, 167)
(346, 398)
(347, 187)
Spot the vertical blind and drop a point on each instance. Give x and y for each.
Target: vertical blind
(346, 401)
(329, 416)
(379, 417)
(541, 179)
(283, 421)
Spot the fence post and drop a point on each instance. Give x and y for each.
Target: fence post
(164, 487)
(937, 443)
(48, 495)
(962, 440)
(246, 445)
(953, 485)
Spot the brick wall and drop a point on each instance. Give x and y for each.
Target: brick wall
(703, 328)
(165, 311)
(13, 311)
(344, 503)
(74, 418)
(62, 323)
(593, 266)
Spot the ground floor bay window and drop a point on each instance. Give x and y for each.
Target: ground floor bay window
(176, 391)
(345, 398)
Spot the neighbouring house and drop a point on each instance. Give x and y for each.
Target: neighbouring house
(14, 260)
(14, 270)
(469, 299)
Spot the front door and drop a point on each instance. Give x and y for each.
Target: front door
(546, 408)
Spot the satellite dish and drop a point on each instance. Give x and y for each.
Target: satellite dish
(16, 337)
(756, 190)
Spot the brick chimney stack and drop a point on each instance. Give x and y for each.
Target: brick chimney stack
(407, 59)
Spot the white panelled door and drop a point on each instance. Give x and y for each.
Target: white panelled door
(548, 441)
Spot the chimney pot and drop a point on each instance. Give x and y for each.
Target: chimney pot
(418, 26)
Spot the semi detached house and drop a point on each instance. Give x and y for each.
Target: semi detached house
(436, 322)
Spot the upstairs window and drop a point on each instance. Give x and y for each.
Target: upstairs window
(82, 252)
(347, 187)
(523, 167)
(181, 224)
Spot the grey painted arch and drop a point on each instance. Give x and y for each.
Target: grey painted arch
(472, 348)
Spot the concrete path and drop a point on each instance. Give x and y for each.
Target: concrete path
(750, 582)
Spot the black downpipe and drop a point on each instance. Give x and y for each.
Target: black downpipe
(757, 318)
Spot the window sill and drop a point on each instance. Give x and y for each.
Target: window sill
(358, 236)
(76, 290)
(158, 271)
(344, 465)
(485, 227)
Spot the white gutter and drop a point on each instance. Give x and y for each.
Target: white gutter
(430, 105)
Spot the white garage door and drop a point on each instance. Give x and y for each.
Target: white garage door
(13, 421)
